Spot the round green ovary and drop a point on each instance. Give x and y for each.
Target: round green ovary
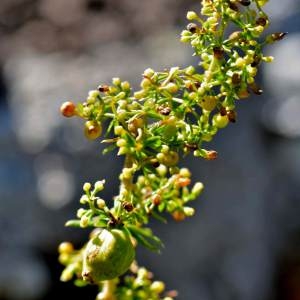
(107, 255)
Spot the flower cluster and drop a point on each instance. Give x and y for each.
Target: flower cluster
(174, 113)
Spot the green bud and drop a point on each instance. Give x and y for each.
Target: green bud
(66, 275)
(87, 187)
(190, 70)
(157, 287)
(80, 212)
(125, 85)
(121, 142)
(116, 81)
(162, 170)
(146, 83)
(84, 199)
(197, 188)
(101, 203)
(191, 15)
(99, 185)
(189, 211)
(84, 221)
(149, 73)
(119, 130)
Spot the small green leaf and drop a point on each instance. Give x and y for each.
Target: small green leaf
(73, 223)
(146, 237)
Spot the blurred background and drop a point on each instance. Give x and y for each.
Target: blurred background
(244, 242)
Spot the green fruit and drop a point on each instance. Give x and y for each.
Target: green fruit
(92, 130)
(108, 255)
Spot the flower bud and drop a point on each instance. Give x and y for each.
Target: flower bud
(178, 215)
(87, 187)
(65, 247)
(139, 94)
(116, 81)
(121, 143)
(84, 221)
(191, 15)
(84, 199)
(125, 85)
(99, 185)
(197, 188)
(149, 73)
(185, 172)
(100, 203)
(220, 121)
(172, 87)
(68, 109)
(92, 130)
(66, 275)
(80, 212)
(157, 287)
(189, 211)
(162, 170)
(119, 130)
(146, 83)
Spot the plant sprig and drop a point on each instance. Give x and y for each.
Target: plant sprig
(176, 112)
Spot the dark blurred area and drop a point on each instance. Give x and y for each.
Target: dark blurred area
(244, 242)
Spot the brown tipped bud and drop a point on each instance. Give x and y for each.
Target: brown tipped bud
(223, 111)
(245, 2)
(218, 52)
(156, 199)
(256, 61)
(182, 182)
(236, 79)
(164, 110)
(211, 155)
(128, 206)
(277, 36)
(103, 88)
(197, 84)
(231, 116)
(255, 89)
(235, 35)
(192, 27)
(92, 130)
(178, 216)
(155, 163)
(191, 146)
(233, 6)
(68, 109)
(262, 21)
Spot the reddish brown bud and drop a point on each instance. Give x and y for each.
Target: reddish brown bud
(103, 88)
(236, 79)
(182, 182)
(256, 61)
(178, 216)
(68, 109)
(218, 52)
(156, 199)
(255, 89)
(128, 206)
(233, 6)
(231, 116)
(262, 21)
(191, 146)
(211, 155)
(245, 2)
(223, 111)
(277, 36)
(192, 27)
